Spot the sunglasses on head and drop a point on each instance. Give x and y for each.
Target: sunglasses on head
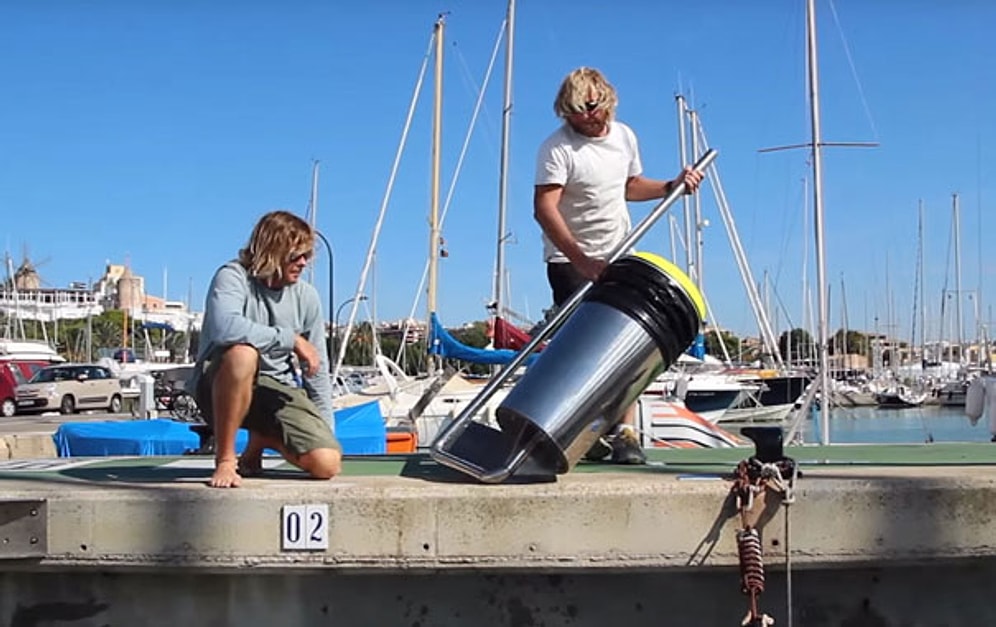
(588, 107)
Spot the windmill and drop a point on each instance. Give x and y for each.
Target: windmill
(26, 277)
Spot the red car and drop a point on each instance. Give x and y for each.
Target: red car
(13, 372)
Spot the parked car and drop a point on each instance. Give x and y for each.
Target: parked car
(70, 388)
(14, 372)
(124, 356)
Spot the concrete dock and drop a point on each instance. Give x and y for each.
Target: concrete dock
(400, 540)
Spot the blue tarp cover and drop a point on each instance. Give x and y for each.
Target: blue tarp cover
(445, 345)
(359, 429)
(698, 347)
(132, 437)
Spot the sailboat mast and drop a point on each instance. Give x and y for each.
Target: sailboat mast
(821, 269)
(845, 327)
(690, 267)
(956, 225)
(499, 291)
(437, 131)
(313, 211)
(693, 124)
(918, 292)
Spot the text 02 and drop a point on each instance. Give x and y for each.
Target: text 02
(304, 527)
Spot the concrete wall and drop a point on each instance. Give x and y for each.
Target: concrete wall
(27, 446)
(942, 593)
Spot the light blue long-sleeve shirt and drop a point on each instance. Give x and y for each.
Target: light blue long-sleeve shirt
(242, 310)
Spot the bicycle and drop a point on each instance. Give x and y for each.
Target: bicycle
(177, 401)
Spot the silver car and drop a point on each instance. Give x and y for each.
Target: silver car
(70, 388)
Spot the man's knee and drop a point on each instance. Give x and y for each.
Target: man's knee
(240, 361)
(322, 463)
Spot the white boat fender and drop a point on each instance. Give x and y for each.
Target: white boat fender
(989, 409)
(975, 400)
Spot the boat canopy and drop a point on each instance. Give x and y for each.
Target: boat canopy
(445, 345)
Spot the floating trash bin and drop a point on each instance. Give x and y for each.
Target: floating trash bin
(617, 334)
(636, 320)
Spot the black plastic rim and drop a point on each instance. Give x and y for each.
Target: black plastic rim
(653, 299)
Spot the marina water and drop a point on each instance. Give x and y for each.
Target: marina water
(911, 425)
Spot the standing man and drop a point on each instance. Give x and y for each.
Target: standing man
(585, 172)
(258, 319)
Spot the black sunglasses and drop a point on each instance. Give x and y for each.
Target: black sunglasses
(588, 107)
(306, 255)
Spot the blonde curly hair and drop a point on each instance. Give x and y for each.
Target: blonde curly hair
(276, 238)
(582, 86)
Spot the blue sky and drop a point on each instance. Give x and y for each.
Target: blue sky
(156, 133)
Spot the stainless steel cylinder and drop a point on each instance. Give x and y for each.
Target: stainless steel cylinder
(636, 321)
(577, 390)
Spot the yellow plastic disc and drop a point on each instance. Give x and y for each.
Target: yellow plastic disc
(675, 273)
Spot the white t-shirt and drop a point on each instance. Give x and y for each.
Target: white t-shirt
(593, 172)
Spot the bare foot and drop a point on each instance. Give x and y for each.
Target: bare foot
(251, 463)
(225, 475)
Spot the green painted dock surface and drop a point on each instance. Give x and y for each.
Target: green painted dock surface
(421, 465)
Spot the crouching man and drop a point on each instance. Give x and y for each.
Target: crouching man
(259, 317)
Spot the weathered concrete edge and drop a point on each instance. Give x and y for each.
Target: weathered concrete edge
(580, 523)
(27, 446)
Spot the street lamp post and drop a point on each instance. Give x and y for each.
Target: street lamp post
(328, 247)
(335, 331)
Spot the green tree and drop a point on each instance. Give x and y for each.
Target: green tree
(359, 350)
(714, 345)
(476, 334)
(856, 343)
(412, 356)
(801, 346)
(106, 330)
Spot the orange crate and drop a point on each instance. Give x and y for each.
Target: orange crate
(401, 441)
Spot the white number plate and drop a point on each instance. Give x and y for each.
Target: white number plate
(304, 527)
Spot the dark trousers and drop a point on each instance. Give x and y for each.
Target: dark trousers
(564, 280)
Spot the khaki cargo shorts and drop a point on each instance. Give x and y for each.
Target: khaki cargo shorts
(277, 410)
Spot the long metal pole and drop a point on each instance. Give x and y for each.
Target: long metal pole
(313, 210)
(921, 311)
(332, 329)
(698, 278)
(690, 267)
(956, 225)
(562, 313)
(89, 323)
(437, 130)
(821, 264)
(499, 291)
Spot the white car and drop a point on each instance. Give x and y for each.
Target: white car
(69, 388)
